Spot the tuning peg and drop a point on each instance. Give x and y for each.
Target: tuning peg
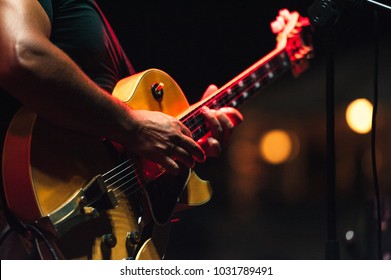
(285, 14)
(276, 26)
(281, 19)
(304, 21)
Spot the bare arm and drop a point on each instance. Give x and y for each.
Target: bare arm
(45, 79)
(40, 75)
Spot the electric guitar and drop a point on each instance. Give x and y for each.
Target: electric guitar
(82, 189)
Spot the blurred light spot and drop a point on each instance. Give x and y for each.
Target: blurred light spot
(242, 157)
(349, 235)
(276, 146)
(359, 115)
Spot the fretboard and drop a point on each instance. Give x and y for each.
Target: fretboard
(240, 89)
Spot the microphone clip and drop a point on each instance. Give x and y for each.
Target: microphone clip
(324, 13)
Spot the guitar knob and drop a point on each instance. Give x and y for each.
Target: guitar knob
(131, 241)
(109, 240)
(133, 238)
(157, 91)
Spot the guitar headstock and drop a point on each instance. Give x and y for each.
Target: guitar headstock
(294, 36)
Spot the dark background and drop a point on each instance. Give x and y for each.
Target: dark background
(261, 211)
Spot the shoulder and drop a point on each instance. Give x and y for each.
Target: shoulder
(28, 15)
(22, 23)
(48, 8)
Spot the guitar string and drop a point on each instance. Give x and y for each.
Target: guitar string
(278, 59)
(113, 177)
(194, 114)
(222, 93)
(118, 166)
(117, 187)
(129, 188)
(114, 190)
(117, 195)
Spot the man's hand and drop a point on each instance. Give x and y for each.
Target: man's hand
(163, 139)
(220, 123)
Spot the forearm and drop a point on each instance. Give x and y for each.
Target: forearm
(43, 78)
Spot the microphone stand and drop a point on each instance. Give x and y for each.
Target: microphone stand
(325, 14)
(332, 246)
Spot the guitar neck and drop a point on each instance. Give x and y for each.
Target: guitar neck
(238, 90)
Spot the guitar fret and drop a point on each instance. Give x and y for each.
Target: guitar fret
(199, 132)
(237, 93)
(192, 121)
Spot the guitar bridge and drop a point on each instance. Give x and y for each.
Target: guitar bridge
(84, 205)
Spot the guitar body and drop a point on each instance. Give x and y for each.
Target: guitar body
(44, 165)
